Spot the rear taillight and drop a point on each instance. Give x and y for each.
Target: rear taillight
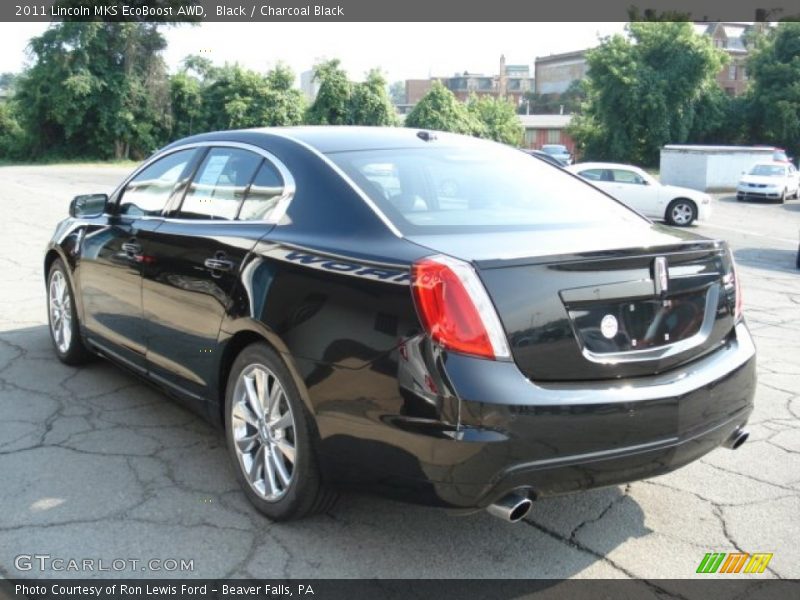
(733, 277)
(739, 310)
(455, 309)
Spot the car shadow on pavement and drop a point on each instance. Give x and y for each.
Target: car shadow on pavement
(774, 259)
(97, 463)
(789, 204)
(792, 206)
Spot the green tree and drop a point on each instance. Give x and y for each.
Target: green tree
(11, 134)
(720, 118)
(7, 81)
(283, 104)
(568, 102)
(643, 91)
(370, 104)
(233, 97)
(774, 70)
(95, 89)
(186, 99)
(332, 104)
(440, 110)
(397, 92)
(499, 119)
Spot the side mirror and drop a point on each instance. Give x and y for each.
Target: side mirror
(88, 205)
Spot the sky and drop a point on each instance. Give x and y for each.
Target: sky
(400, 50)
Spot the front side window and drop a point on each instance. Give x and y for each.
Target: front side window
(475, 187)
(623, 176)
(218, 188)
(148, 193)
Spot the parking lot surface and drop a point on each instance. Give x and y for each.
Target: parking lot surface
(96, 464)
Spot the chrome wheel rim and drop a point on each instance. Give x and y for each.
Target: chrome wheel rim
(682, 214)
(263, 430)
(60, 305)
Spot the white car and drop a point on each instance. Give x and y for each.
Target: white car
(769, 181)
(646, 195)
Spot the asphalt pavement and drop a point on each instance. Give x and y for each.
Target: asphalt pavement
(95, 464)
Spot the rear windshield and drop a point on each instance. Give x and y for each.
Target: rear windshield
(487, 187)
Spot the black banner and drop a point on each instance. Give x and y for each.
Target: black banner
(399, 11)
(742, 586)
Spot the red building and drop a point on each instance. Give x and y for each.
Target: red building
(546, 129)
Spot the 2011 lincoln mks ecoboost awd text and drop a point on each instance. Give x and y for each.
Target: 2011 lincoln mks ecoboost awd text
(442, 319)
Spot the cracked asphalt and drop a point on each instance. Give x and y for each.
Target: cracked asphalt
(96, 464)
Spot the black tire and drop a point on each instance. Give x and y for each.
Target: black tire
(306, 492)
(782, 199)
(65, 334)
(681, 206)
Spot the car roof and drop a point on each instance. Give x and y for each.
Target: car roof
(341, 138)
(602, 165)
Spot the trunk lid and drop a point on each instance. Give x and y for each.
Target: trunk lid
(583, 303)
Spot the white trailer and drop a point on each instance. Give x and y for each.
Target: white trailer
(709, 168)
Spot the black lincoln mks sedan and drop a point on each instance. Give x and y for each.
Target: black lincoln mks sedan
(434, 317)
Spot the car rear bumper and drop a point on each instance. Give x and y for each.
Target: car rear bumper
(557, 438)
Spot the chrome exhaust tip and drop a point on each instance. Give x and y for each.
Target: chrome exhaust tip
(737, 438)
(511, 507)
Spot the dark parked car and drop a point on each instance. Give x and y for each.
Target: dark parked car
(431, 316)
(559, 152)
(548, 158)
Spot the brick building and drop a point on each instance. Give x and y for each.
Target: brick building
(733, 38)
(511, 82)
(546, 129)
(554, 73)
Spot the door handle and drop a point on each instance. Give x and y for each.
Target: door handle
(132, 247)
(218, 264)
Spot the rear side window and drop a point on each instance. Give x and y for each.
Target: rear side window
(264, 193)
(220, 184)
(480, 186)
(148, 192)
(624, 176)
(592, 174)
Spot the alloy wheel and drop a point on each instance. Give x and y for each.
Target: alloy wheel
(263, 429)
(60, 311)
(682, 214)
